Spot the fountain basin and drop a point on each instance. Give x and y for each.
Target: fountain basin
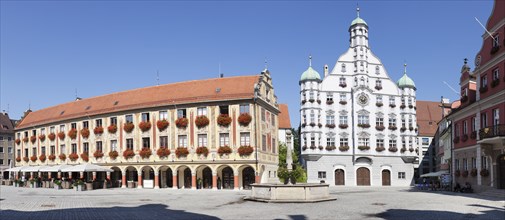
(297, 193)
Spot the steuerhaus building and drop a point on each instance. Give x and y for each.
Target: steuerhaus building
(214, 133)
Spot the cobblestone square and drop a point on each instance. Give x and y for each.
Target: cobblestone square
(351, 203)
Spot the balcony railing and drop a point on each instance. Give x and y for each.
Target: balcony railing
(492, 131)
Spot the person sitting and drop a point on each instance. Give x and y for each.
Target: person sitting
(467, 188)
(457, 188)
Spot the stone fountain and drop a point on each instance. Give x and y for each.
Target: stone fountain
(289, 192)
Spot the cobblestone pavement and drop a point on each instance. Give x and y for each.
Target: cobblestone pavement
(351, 203)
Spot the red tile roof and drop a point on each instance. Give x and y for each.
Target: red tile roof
(230, 88)
(284, 121)
(428, 115)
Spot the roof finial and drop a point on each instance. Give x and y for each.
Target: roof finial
(310, 60)
(266, 63)
(466, 60)
(405, 68)
(357, 9)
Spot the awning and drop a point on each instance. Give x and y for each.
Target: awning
(16, 169)
(56, 168)
(435, 174)
(31, 169)
(87, 167)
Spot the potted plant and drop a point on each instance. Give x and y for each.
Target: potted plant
(42, 157)
(162, 124)
(181, 123)
(245, 150)
(112, 128)
(33, 183)
(33, 158)
(181, 152)
(113, 154)
(99, 130)
(163, 152)
(62, 156)
(128, 127)
(145, 126)
(202, 151)
(343, 148)
(85, 156)
(51, 136)
(72, 134)
(42, 137)
(78, 185)
(224, 150)
(128, 154)
(85, 133)
(145, 153)
(244, 119)
(73, 156)
(52, 157)
(201, 121)
(57, 184)
(223, 120)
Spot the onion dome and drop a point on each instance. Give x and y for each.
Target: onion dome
(405, 81)
(310, 73)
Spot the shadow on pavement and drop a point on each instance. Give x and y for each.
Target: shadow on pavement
(295, 217)
(402, 214)
(149, 211)
(450, 193)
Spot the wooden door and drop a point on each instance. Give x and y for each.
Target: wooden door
(228, 178)
(363, 176)
(386, 178)
(501, 171)
(339, 177)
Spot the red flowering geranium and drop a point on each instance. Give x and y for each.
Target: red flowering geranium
(85, 133)
(181, 122)
(162, 124)
(245, 150)
(224, 150)
(98, 130)
(33, 158)
(244, 119)
(42, 157)
(112, 128)
(62, 156)
(128, 127)
(52, 136)
(201, 121)
(128, 153)
(18, 159)
(202, 151)
(72, 134)
(98, 154)
(145, 153)
(223, 120)
(113, 154)
(42, 137)
(26, 159)
(17, 141)
(85, 156)
(145, 125)
(33, 138)
(73, 156)
(51, 157)
(163, 152)
(25, 139)
(181, 152)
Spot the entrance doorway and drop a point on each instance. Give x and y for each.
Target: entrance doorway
(501, 171)
(386, 178)
(363, 176)
(228, 178)
(207, 178)
(339, 177)
(247, 177)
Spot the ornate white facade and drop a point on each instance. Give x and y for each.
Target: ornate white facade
(358, 126)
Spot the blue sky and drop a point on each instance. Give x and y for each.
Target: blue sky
(50, 49)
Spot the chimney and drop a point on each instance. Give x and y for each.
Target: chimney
(325, 70)
(26, 113)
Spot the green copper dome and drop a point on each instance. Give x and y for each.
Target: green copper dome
(310, 74)
(405, 81)
(358, 20)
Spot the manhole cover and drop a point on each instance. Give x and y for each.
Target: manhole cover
(378, 203)
(48, 206)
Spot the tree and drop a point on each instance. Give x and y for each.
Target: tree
(297, 173)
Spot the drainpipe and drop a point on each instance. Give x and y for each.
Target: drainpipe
(352, 129)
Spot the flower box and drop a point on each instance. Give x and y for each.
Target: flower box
(403, 149)
(33, 139)
(392, 105)
(42, 137)
(25, 139)
(224, 150)
(52, 157)
(42, 158)
(393, 149)
(343, 126)
(484, 172)
(483, 89)
(17, 141)
(343, 102)
(73, 157)
(379, 104)
(456, 140)
(112, 128)
(411, 149)
(162, 124)
(319, 125)
(343, 148)
(223, 120)
(402, 106)
(312, 124)
(364, 125)
(128, 127)
(495, 83)
(33, 158)
(98, 154)
(330, 148)
(244, 119)
(457, 173)
(363, 148)
(303, 125)
(113, 154)
(318, 101)
(202, 151)
(313, 147)
(145, 153)
(378, 87)
(181, 152)
(464, 138)
(85, 133)
(201, 121)
(329, 102)
(330, 125)
(473, 135)
(72, 134)
(321, 147)
(411, 106)
(465, 173)
(85, 156)
(62, 156)
(312, 100)
(494, 49)
(304, 101)
(128, 154)
(393, 128)
(26, 159)
(403, 129)
(245, 150)
(98, 130)
(52, 136)
(380, 149)
(473, 172)
(343, 85)
(145, 126)
(18, 159)
(163, 152)
(181, 123)
(380, 127)
(303, 148)
(411, 128)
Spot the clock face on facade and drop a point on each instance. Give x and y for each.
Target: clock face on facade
(362, 99)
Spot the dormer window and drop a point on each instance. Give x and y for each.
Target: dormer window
(496, 41)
